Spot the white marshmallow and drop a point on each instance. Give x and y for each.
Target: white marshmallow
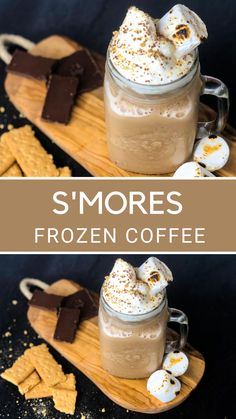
(184, 28)
(154, 273)
(176, 362)
(163, 385)
(191, 170)
(212, 151)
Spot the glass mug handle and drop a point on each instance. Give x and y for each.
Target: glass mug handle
(178, 316)
(215, 87)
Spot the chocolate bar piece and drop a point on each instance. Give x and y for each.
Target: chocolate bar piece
(60, 98)
(67, 324)
(70, 66)
(89, 309)
(31, 66)
(73, 301)
(83, 300)
(91, 77)
(41, 299)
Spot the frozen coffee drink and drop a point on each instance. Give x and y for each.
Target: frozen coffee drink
(133, 318)
(152, 90)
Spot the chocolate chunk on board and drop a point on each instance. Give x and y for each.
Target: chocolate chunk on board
(69, 66)
(45, 301)
(83, 300)
(31, 66)
(60, 98)
(67, 324)
(91, 77)
(73, 301)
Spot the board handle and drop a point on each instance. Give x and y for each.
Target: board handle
(8, 39)
(26, 283)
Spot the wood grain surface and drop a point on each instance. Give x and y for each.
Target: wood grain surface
(84, 353)
(84, 138)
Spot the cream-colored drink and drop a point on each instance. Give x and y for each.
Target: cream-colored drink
(133, 318)
(152, 91)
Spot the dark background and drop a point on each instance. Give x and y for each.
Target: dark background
(91, 23)
(204, 287)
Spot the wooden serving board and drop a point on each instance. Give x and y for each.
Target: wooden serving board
(84, 353)
(84, 138)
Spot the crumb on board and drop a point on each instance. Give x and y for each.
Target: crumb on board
(14, 302)
(2, 109)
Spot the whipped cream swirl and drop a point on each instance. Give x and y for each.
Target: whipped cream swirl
(141, 53)
(136, 291)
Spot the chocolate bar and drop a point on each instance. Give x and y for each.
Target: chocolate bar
(83, 300)
(60, 98)
(73, 301)
(31, 66)
(45, 301)
(91, 77)
(67, 324)
(70, 66)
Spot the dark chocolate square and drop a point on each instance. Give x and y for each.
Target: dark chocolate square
(73, 301)
(67, 324)
(83, 300)
(31, 66)
(60, 98)
(69, 66)
(45, 301)
(91, 77)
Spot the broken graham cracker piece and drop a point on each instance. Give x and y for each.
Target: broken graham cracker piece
(29, 154)
(46, 366)
(20, 370)
(69, 384)
(64, 400)
(6, 158)
(29, 383)
(13, 171)
(64, 171)
(41, 390)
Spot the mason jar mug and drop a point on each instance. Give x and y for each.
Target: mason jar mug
(151, 129)
(133, 345)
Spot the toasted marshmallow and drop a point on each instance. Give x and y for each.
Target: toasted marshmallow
(184, 28)
(155, 274)
(163, 385)
(176, 362)
(212, 151)
(191, 170)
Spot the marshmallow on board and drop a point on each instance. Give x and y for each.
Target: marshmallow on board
(176, 362)
(163, 386)
(184, 28)
(192, 170)
(212, 152)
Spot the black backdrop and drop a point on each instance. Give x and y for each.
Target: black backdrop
(204, 287)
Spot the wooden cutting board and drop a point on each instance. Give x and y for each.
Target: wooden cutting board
(84, 354)
(84, 138)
